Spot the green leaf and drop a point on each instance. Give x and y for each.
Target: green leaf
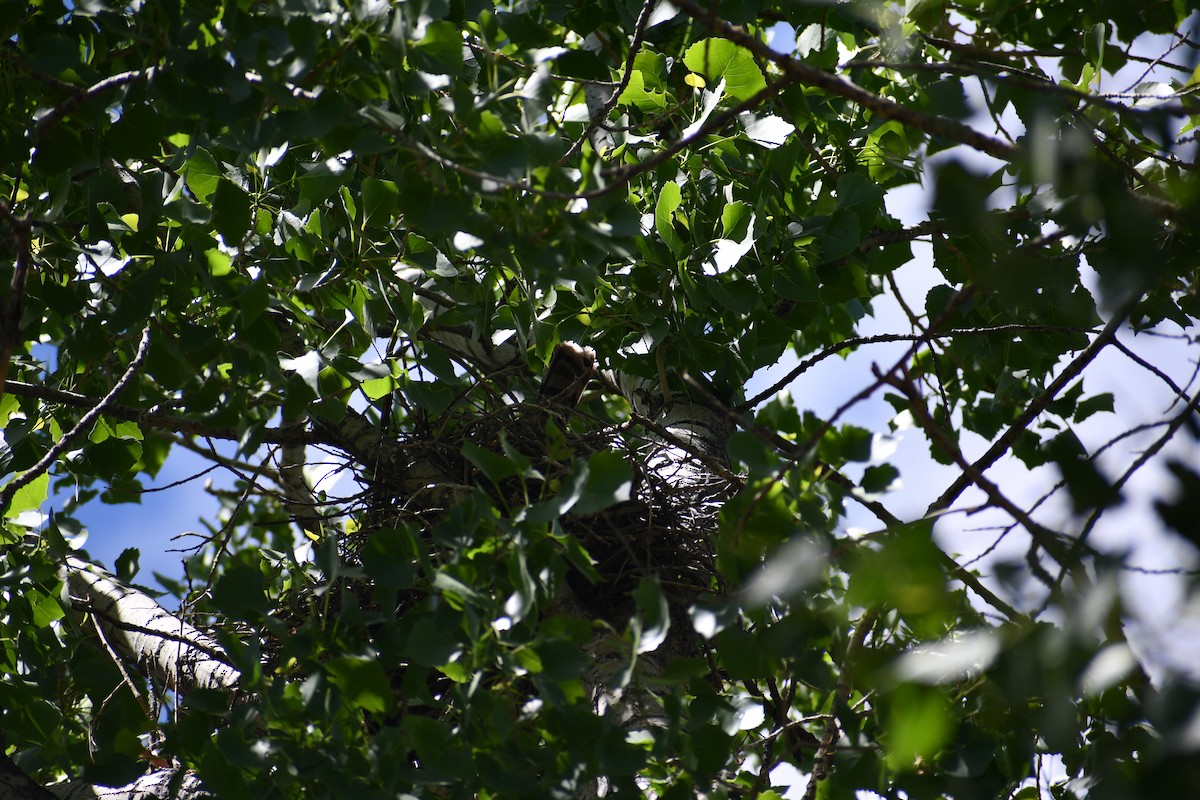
(240, 592)
(719, 58)
(919, 723)
(381, 199)
(390, 559)
(880, 478)
(30, 496)
(645, 99)
(841, 236)
(219, 263)
(231, 211)
(363, 682)
(905, 574)
(735, 220)
(307, 367)
(1093, 405)
(45, 609)
(202, 174)
(440, 51)
(493, 465)
(127, 564)
(1088, 486)
(862, 195)
(137, 300)
(669, 199)
(609, 480)
(378, 388)
(654, 616)
(432, 641)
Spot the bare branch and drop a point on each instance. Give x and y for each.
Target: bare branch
(1048, 540)
(1036, 407)
(635, 44)
(63, 444)
(859, 341)
(81, 96)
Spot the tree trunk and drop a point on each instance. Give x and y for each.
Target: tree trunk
(165, 784)
(140, 630)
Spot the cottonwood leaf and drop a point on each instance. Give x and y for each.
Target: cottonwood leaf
(669, 199)
(769, 131)
(363, 682)
(721, 59)
(201, 174)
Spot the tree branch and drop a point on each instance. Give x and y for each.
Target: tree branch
(858, 341)
(1172, 428)
(635, 44)
(153, 419)
(1047, 539)
(821, 765)
(617, 178)
(15, 784)
(882, 107)
(145, 633)
(1039, 404)
(81, 96)
(63, 444)
(173, 783)
(10, 324)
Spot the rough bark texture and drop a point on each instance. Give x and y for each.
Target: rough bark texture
(140, 630)
(16, 785)
(165, 784)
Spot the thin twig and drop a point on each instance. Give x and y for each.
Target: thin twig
(952, 308)
(1026, 81)
(990, 52)
(116, 659)
(1172, 428)
(821, 761)
(890, 520)
(858, 341)
(10, 323)
(226, 532)
(1048, 540)
(1141, 362)
(881, 107)
(1035, 408)
(616, 178)
(219, 461)
(157, 420)
(63, 444)
(59, 112)
(635, 44)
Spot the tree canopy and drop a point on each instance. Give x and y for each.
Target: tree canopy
(515, 268)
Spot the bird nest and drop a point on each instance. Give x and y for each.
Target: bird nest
(525, 452)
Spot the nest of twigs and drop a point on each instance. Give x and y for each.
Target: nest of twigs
(664, 530)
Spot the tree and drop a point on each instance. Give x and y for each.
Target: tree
(513, 268)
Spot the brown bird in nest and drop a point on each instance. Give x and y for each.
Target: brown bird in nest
(571, 367)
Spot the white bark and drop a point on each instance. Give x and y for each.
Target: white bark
(165, 784)
(145, 633)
